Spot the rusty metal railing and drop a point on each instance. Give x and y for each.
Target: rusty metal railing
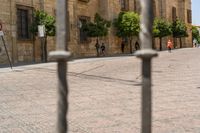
(146, 54)
(61, 55)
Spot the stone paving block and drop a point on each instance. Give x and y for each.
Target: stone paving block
(104, 96)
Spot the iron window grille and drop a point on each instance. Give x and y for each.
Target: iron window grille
(24, 19)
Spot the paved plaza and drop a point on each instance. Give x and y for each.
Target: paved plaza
(105, 95)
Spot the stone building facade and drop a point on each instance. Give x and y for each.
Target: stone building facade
(16, 18)
(84, 10)
(172, 9)
(81, 10)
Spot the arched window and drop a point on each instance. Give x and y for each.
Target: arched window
(154, 8)
(135, 6)
(82, 34)
(124, 5)
(161, 8)
(174, 16)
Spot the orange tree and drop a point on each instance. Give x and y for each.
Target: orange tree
(195, 34)
(127, 25)
(161, 28)
(179, 30)
(98, 28)
(42, 18)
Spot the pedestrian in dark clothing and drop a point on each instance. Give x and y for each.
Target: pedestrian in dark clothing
(103, 49)
(137, 46)
(97, 48)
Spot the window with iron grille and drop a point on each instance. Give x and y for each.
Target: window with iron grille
(24, 15)
(135, 5)
(154, 8)
(83, 35)
(84, 0)
(189, 16)
(174, 14)
(125, 5)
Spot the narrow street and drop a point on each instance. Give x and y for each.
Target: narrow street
(105, 95)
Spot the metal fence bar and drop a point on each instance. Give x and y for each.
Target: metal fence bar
(4, 43)
(61, 55)
(146, 54)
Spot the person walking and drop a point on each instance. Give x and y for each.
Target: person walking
(169, 45)
(195, 45)
(137, 45)
(103, 49)
(97, 48)
(122, 46)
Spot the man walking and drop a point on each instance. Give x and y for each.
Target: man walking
(97, 47)
(103, 49)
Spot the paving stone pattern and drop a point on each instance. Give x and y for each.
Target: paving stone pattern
(105, 95)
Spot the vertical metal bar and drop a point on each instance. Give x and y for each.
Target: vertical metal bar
(42, 38)
(33, 35)
(62, 124)
(146, 96)
(146, 23)
(11, 32)
(61, 56)
(61, 11)
(146, 54)
(6, 51)
(42, 48)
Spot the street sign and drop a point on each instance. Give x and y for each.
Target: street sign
(41, 30)
(1, 33)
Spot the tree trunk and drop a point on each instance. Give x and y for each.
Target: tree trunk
(42, 49)
(153, 43)
(131, 48)
(33, 49)
(160, 44)
(45, 49)
(180, 42)
(174, 42)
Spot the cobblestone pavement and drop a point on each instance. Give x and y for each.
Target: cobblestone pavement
(104, 95)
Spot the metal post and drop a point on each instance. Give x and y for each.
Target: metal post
(6, 51)
(42, 38)
(146, 54)
(42, 48)
(33, 36)
(61, 55)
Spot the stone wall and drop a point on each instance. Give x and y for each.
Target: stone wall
(181, 12)
(5, 19)
(22, 50)
(109, 9)
(28, 51)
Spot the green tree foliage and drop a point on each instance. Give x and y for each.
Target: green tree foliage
(42, 18)
(127, 25)
(179, 30)
(98, 28)
(195, 34)
(198, 40)
(161, 28)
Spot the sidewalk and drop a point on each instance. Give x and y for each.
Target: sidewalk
(105, 95)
